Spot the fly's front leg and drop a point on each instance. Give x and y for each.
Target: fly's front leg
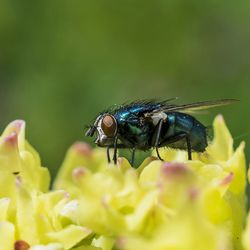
(115, 150)
(115, 146)
(108, 154)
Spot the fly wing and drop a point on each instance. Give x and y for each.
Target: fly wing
(192, 107)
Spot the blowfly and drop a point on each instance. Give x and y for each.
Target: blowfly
(143, 125)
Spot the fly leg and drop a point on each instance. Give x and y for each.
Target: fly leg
(189, 149)
(115, 146)
(115, 150)
(108, 154)
(179, 137)
(158, 154)
(157, 138)
(132, 157)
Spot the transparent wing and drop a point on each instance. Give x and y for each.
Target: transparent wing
(192, 107)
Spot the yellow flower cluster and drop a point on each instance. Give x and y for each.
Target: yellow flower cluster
(172, 205)
(31, 217)
(178, 204)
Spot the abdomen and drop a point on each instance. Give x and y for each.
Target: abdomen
(184, 123)
(198, 137)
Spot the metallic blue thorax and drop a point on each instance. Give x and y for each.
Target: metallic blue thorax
(134, 131)
(133, 112)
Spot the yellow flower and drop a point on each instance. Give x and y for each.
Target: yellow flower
(172, 205)
(176, 204)
(246, 234)
(30, 215)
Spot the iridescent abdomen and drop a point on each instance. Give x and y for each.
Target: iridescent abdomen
(184, 123)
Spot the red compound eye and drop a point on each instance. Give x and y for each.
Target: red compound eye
(109, 125)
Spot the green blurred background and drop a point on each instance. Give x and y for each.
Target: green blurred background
(62, 62)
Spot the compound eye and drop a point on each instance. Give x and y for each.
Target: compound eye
(109, 125)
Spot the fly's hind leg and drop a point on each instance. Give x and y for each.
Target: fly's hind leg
(189, 149)
(179, 137)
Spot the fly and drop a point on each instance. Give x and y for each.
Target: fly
(144, 125)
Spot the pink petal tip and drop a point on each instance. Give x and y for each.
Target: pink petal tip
(83, 148)
(174, 169)
(78, 173)
(18, 124)
(11, 139)
(120, 242)
(193, 193)
(227, 179)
